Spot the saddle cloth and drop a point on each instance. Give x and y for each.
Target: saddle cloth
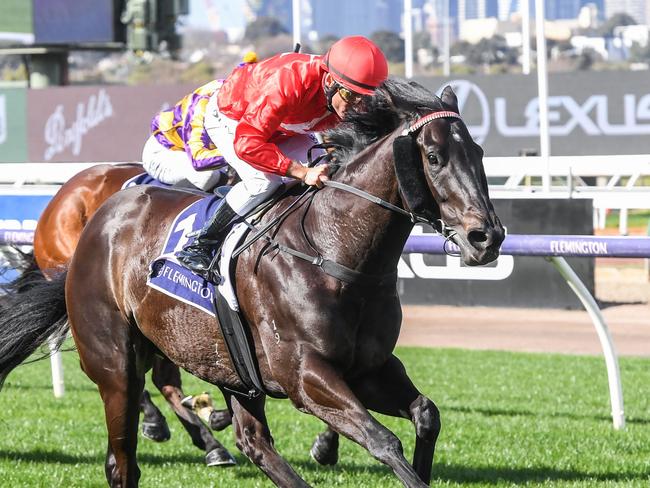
(143, 179)
(168, 276)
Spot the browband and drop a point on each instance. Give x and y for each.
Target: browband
(422, 121)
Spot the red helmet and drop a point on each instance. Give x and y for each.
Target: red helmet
(356, 63)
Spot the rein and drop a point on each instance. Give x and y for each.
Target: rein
(438, 224)
(332, 268)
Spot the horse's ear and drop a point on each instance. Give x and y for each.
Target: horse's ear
(448, 97)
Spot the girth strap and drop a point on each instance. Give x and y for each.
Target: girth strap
(239, 348)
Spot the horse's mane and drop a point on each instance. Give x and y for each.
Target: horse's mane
(394, 102)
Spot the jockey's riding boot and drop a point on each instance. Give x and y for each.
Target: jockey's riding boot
(197, 256)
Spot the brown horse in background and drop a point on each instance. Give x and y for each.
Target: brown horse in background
(323, 336)
(55, 239)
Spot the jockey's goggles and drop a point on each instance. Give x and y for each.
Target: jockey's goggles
(348, 95)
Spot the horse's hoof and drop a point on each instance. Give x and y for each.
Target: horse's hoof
(156, 431)
(219, 419)
(188, 401)
(219, 456)
(325, 450)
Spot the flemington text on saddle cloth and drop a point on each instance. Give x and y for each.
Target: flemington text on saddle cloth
(171, 278)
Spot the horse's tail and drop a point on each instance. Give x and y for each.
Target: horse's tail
(30, 273)
(28, 319)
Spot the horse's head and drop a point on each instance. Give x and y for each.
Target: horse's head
(437, 148)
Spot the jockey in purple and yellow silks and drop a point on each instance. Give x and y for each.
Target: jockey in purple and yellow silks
(181, 129)
(178, 137)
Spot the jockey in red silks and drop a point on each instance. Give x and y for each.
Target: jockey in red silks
(262, 119)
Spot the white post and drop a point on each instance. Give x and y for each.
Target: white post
(622, 222)
(611, 359)
(602, 220)
(525, 36)
(297, 21)
(446, 42)
(408, 38)
(57, 371)
(542, 87)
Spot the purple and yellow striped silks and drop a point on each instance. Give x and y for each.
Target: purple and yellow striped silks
(181, 129)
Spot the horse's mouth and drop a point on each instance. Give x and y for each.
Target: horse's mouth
(477, 255)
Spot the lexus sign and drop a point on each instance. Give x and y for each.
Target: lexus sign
(589, 112)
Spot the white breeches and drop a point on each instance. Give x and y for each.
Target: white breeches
(173, 167)
(255, 185)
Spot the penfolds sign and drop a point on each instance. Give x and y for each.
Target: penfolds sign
(60, 134)
(94, 123)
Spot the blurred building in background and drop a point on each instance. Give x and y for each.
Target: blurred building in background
(639, 10)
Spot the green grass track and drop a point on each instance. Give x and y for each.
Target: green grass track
(509, 419)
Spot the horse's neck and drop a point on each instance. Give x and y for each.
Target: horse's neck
(355, 231)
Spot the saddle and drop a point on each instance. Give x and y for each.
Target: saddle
(226, 179)
(217, 298)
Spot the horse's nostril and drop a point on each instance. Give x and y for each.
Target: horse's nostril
(477, 237)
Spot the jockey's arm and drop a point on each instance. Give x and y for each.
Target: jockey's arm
(203, 156)
(256, 127)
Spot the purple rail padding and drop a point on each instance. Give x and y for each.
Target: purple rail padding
(546, 245)
(514, 245)
(16, 237)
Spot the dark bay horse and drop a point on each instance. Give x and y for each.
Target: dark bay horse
(324, 339)
(55, 239)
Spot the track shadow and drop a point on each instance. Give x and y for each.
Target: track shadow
(602, 304)
(497, 412)
(48, 456)
(464, 474)
(442, 473)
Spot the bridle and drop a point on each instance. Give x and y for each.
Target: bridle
(332, 268)
(411, 130)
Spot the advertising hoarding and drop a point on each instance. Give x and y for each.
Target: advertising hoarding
(612, 116)
(16, 21)
(13, 128)
(95, 123)
(72, 21)
(605, 112)
(511, 281)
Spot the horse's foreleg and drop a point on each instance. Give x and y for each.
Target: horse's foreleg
(255, 441)
(324, 393)
(167, 378)
(390, 391)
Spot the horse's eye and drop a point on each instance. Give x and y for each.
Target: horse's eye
(432, 158)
